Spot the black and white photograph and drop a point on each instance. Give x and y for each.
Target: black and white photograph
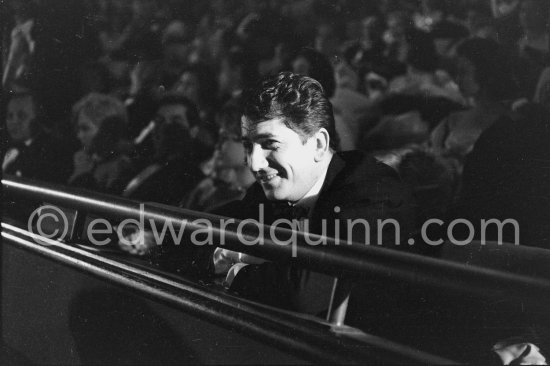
(267, 182)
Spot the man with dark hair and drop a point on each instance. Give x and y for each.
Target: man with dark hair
(291, 148)
(175, 169)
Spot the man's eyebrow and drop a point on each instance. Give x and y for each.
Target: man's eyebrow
(259, 136)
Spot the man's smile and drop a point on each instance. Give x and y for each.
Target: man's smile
(266, 178)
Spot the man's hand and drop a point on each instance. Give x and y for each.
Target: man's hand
(519, 354)
(225, 259)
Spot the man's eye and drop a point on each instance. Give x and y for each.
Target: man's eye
(270, 144)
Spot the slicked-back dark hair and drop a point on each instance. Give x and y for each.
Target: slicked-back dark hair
(299, 101)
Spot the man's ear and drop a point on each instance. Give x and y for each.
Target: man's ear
(322, 142)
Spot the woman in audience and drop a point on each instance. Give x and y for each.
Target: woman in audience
(101, 164)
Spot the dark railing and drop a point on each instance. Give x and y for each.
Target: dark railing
(342, 261)
(355, 261)
(302, 336)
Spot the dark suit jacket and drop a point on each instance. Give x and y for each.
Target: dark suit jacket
(360, 186)
(45, 159)
(170, 184)
(506, 176)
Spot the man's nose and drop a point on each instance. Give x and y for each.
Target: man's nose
(257, 159)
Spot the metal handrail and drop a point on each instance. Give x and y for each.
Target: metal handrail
(304, 336)
(349, 261)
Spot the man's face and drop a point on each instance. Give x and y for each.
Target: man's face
(19, 118)
(284, 166)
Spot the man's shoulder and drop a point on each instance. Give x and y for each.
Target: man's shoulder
(358, 167)
(357, 179)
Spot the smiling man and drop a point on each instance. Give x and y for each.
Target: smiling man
(292, 150)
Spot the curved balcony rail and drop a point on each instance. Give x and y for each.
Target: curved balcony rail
(350, 261)
(308, 337)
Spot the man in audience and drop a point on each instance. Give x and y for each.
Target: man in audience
(291, 148)
(175, 170)
(31, 151)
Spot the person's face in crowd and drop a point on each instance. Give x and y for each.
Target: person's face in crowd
(230, 153)
(20, 117)
(466, 78)
(172, 126)
(301, 66)
(86, 130)
(189, 86)
(280, 161)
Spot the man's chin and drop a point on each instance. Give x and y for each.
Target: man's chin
(274, 194)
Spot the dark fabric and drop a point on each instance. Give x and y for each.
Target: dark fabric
(432, 109)
(110, 175)
(44, 159)
(359, 186)
(506, 176)
(171, 183)
(532, 63)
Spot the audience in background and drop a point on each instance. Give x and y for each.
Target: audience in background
(102, 162)
(484, 77)
(31, 151)
(177, 155)
(404, 77)
(198, 84)
(229, 178)
(400, 74)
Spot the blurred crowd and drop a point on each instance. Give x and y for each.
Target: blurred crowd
(142, 98)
